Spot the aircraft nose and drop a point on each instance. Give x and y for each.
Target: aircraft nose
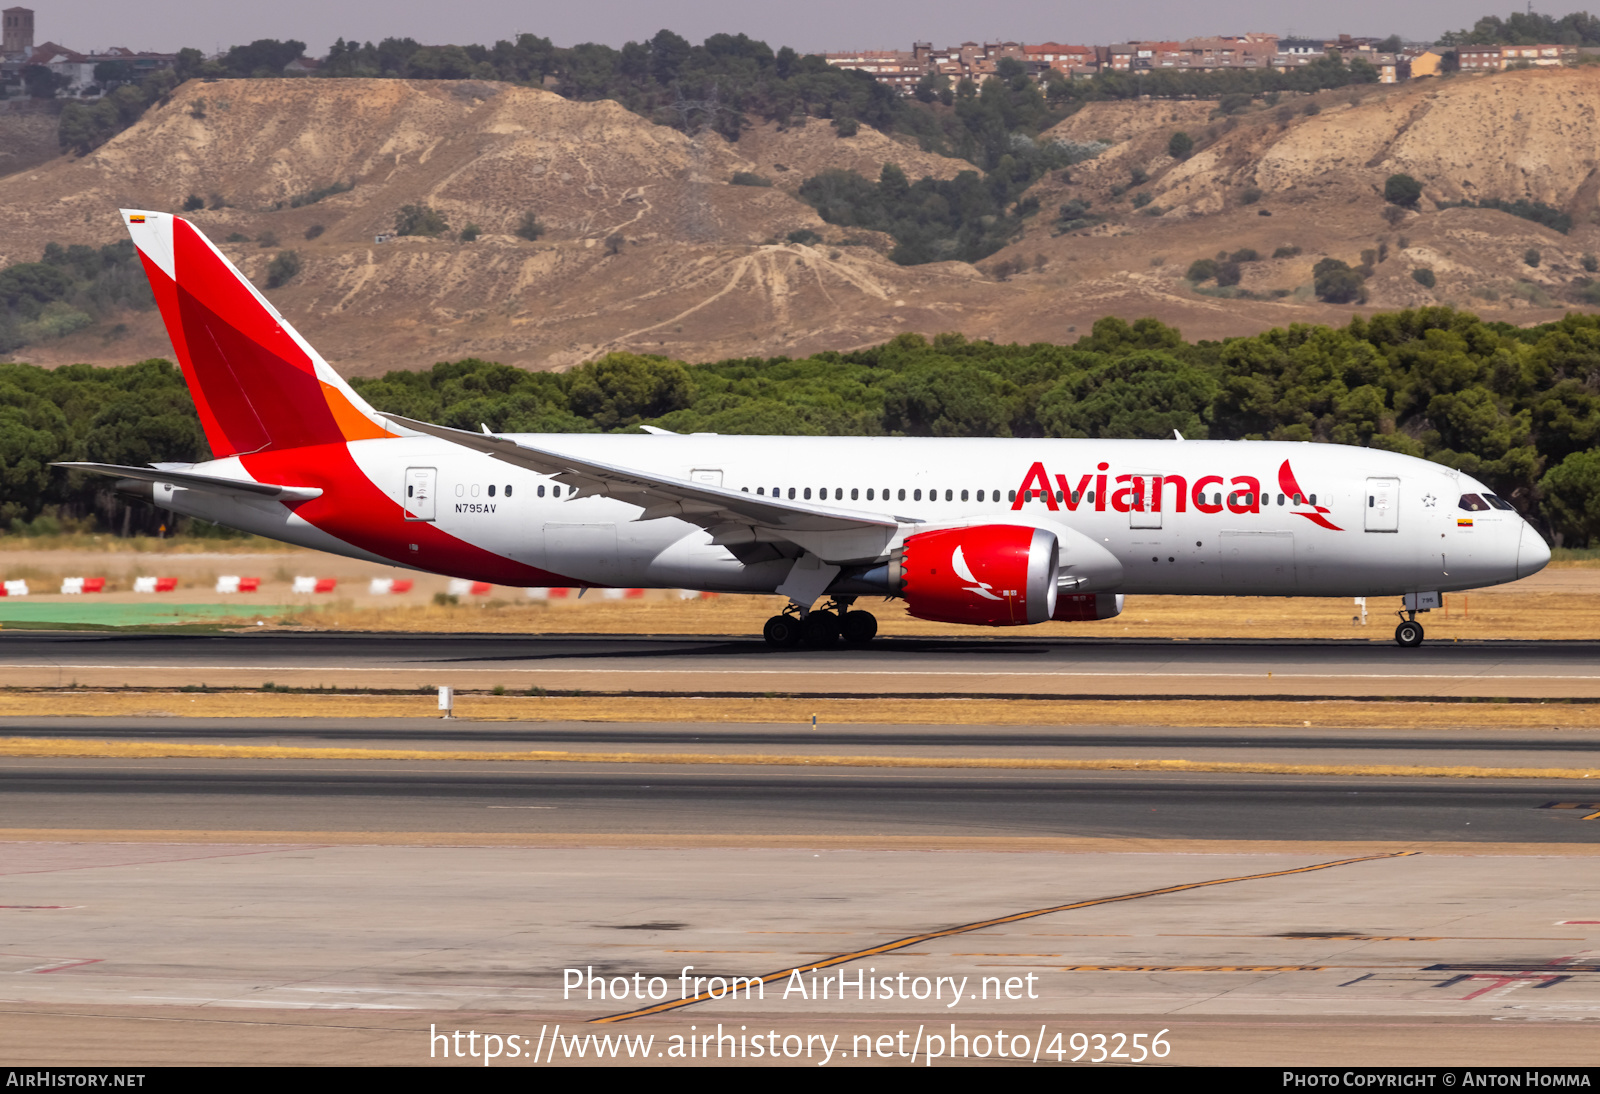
(1532, 552)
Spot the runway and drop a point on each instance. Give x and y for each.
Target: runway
(999, 666)
(645, 799)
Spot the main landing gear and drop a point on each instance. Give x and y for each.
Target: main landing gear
(822, 627)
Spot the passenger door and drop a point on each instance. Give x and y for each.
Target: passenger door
(418, 502)
(1383, 505)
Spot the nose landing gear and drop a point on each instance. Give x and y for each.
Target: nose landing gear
(1409, 632)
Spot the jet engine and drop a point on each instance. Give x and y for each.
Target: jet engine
(991, 575)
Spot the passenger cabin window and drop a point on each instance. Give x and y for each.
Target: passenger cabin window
(916, 495)
(508, 489)
(491, 489)
(1472, 503)
(902, 493)
(541, 491)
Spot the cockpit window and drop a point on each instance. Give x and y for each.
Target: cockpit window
(1472, 503)
(1498, 502)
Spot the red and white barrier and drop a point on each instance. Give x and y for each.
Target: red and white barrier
(14, 588)
(304, 584)
(76, 586)
(233, 583)
(154, 584)
(460, 586)
(383, 586)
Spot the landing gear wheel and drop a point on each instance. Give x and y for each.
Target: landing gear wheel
(858, 628)
(782, 630)
(820, 629)
(1408, 633)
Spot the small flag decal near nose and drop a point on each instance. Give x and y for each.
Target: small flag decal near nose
(1463, 522)
(137, 218)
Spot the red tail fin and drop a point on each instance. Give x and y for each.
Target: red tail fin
(256, 383)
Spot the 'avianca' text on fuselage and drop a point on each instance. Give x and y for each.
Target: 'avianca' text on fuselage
(1144, 492)
(819, 521)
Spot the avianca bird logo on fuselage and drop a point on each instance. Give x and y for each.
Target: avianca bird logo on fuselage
(1131, 493)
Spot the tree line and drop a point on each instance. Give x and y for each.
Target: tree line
(1517, 408)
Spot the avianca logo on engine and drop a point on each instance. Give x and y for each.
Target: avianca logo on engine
(958, 562)
(1133, 492)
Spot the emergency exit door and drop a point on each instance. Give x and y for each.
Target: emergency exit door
(419, 501)
(1383, 505)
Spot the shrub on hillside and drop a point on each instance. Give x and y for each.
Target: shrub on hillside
(1180, 146)
(749, 178)
(1424, 277)
(419, 220)
(1201, 269)
(529, 227)
(1402, 190)
(283, 269)
(1336, 283)
(1288, 250)
(1531, 256)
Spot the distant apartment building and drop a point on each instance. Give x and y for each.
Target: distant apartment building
(1479, 58)
(1070, 61)
(899, 69)
(1253, 51)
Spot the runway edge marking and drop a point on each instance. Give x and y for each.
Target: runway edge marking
(913, 940)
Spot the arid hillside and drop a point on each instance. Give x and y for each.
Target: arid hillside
(650, 247)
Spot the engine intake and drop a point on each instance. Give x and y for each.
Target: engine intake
(991, 575)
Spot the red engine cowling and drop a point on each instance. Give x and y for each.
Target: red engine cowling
(1078, 607)
(992, 575)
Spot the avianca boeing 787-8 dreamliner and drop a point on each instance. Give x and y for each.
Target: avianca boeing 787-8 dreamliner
(988, 532)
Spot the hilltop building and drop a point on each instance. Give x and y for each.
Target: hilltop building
(17, 24)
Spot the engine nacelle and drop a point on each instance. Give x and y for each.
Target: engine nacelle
(990, 575)
(1079, 607)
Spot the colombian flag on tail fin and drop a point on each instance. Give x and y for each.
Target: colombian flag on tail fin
(257, 384)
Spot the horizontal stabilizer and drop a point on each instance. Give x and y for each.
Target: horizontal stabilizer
(191, 480)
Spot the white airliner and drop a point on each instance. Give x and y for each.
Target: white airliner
(989, 532)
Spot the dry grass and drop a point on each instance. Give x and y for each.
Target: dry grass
(1479, 615)
(75, 749)
(1332, 714)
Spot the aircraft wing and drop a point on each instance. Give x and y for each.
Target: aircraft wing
(735, 519)
(192, 480)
